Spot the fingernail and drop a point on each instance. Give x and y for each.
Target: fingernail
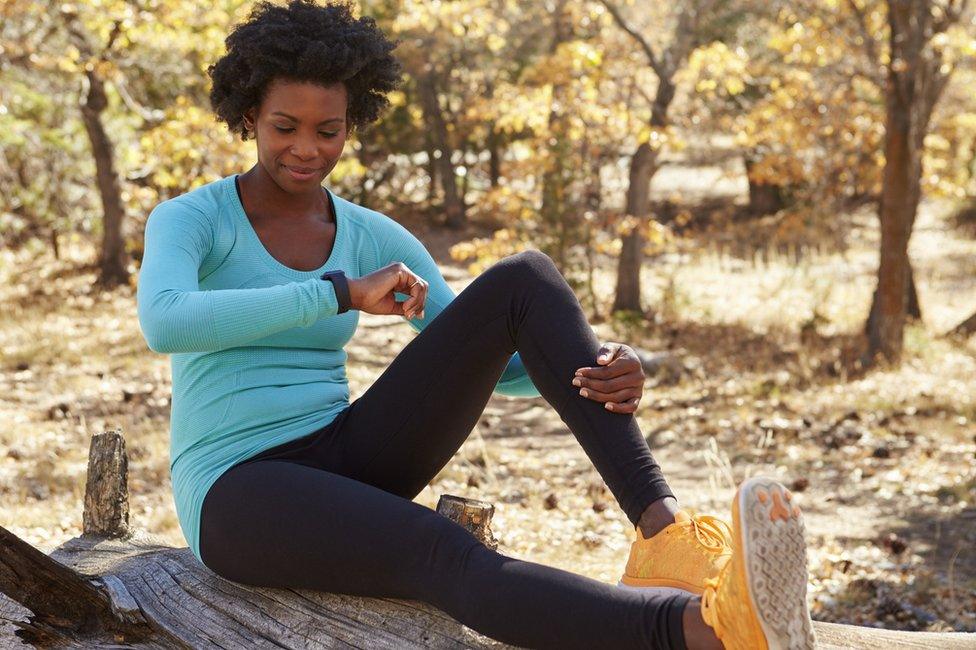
(583, 392)
(577, 382)
(607, 406)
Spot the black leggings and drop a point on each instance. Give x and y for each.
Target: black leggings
(333, 511)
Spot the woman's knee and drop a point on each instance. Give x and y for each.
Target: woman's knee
(527, 266)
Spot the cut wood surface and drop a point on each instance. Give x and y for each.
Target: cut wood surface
(131, 590)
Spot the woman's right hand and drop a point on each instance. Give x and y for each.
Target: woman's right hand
(373, 293)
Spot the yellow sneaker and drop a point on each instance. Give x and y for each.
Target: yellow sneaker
(682, 556)
(759, 600)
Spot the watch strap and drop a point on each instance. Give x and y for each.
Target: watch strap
(341, 285)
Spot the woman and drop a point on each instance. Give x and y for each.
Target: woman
(253, 284)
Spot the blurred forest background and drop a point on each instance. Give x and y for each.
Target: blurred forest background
(777, 197)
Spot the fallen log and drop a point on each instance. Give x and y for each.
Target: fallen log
(113, 587)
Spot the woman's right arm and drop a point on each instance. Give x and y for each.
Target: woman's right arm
(176, 316)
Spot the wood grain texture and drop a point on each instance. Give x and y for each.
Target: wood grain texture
(106, 491)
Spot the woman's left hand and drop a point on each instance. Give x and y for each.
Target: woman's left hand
(618, 380)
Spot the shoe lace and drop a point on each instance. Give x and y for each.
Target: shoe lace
(713, 533)
(708, 613)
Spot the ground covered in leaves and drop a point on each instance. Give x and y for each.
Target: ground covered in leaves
(883, 463)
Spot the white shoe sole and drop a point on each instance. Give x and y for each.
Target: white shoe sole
(664, 591)
(772, 537)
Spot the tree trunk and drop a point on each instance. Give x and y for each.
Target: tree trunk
(494, 156)
(492, 143)
(915, 81)
(431, 168)
(55, 245)
(592, 205)
(437, 127)
(643, 165)
(764, 198)
(112, 264)
(913, 310)
(557, 211)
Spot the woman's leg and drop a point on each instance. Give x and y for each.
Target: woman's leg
(305, 527)
(410, 422)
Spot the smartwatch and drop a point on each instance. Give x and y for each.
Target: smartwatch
(341, 284)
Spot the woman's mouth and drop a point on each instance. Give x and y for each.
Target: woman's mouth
(301, 173)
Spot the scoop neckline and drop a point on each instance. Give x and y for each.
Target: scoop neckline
(266, 255)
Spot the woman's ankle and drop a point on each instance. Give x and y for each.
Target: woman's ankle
(658, 516)
(698, 634)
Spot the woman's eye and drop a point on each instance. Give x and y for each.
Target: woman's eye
(289, 129)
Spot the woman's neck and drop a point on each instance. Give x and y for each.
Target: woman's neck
(263, 197)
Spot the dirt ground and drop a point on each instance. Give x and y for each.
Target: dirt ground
(883, 465)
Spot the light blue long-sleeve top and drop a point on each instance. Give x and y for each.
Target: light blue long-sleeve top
(256, 347)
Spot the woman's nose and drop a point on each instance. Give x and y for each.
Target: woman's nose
(303, 151)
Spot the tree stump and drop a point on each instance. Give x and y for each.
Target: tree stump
(474, 515)
(113, 588)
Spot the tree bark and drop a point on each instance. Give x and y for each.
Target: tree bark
(914, 83)
(764, 198)
(913, 310)
(899, 201)
(493, 143)
(112, 263)
(434, 116)
(643, 164)
(556, 211)
(431, 169)
(494, 156)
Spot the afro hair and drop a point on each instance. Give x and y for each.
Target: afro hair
(303, 41)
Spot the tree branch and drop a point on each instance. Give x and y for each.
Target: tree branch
(641, 41)
(870, 44)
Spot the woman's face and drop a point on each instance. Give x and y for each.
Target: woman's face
(300, 129)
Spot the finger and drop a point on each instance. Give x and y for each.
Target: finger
(616, 368)
(629, 406)
(607, 352)
(407, 305)
(613, 396)
(418, 295)
(608, 386)
(413, 287)
(423, 302)
(420, 291)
